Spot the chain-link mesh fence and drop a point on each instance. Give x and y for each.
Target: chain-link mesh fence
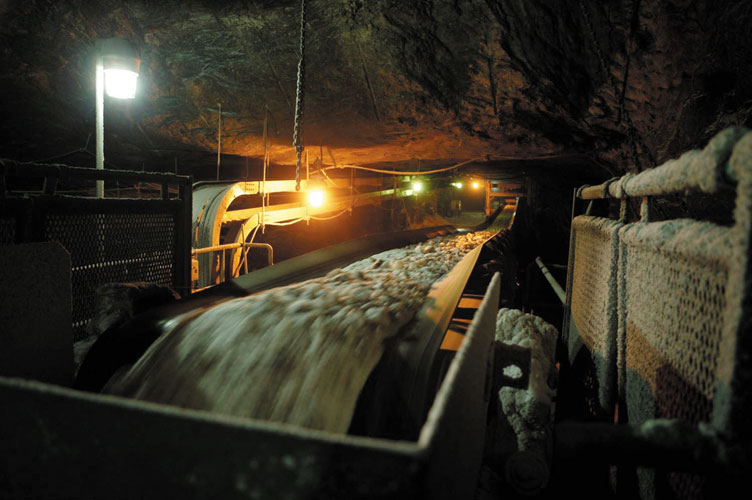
(110, 240)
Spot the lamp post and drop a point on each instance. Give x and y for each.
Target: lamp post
(117, 72)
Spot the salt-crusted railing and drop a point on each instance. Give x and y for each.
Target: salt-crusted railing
(664, 307)
(591, 300)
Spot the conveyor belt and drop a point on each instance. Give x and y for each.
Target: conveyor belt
(168, 452)
(125, 344)
(401, 390)
(410, 373)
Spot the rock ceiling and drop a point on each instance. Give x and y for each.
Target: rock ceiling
(622, 83)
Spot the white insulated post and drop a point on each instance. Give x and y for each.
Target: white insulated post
(100, 121)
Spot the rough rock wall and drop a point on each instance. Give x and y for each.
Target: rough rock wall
(628, 82)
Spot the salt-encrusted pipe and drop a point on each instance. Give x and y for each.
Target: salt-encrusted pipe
(596, 192)
(693, 171)
(696, 170)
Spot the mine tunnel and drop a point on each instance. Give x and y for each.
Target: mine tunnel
(425, 249)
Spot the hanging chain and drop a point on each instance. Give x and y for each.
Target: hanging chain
(632, 133)
(297, 140)
(219, 138)
(265, 166)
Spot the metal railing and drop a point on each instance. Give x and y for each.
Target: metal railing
(233, 246)
(109, 239)
(676, 346)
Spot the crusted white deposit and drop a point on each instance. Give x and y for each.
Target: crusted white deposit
(298, 354)
(529, 410)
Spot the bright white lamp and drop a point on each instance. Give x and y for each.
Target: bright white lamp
(120, 83)
(316, 198)
(117, 72)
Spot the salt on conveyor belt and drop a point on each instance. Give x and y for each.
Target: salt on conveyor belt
(298, 354)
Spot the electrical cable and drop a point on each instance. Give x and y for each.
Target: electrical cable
(290, 223)
(79, 150)
(331, 217)
(435, 171)
(397, 172)
(245, 250)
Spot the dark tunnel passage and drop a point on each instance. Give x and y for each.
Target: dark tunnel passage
(462, 249)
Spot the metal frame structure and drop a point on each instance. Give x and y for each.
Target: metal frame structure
(509, 192)
(221, 250)
(93, 445)
(109, 239)
(215, 224)
(718, 446)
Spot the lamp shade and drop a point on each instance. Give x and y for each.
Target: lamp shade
(121, 65)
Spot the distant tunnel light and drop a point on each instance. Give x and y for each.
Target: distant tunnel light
(458, 185)
(417, 187)
(316, 198)
(120, 83)
(476, 184)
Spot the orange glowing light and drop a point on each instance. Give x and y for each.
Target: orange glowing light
(316, 198)
(476, 184)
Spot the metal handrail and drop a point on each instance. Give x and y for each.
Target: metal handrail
(703, 170)
(233, 246)
(60, 171)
